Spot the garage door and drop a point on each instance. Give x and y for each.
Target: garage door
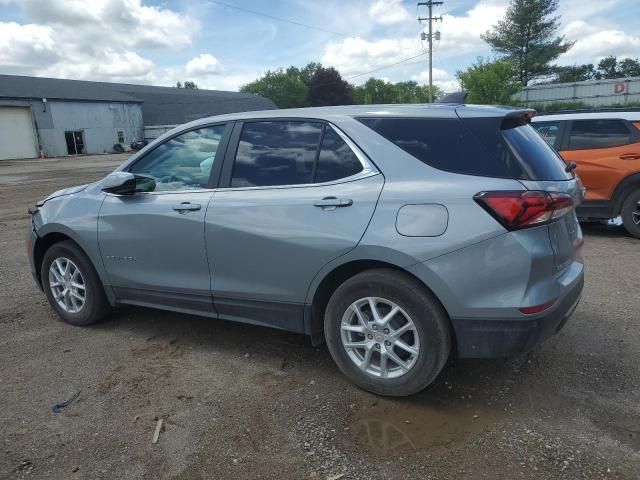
(17, 138)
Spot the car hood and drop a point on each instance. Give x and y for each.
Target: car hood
(64, 191)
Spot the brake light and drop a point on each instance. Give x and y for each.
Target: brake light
(523, 209)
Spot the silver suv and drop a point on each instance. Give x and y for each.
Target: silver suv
(400, 234)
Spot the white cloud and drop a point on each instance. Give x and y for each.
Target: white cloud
(125, 23)
(460, 36)
(389, 12)
(203, 65)
(355, 55)
(24, 46)
(595, 40)
(92, 40)
(441, 78)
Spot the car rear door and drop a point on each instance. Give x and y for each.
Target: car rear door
(605, 152)
(153, 244)
(294, 195)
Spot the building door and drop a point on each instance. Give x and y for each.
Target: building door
(17, 136)
(75, 142)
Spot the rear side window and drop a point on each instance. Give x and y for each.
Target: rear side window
(548, 131)
(336, 159)
(590, 134)
(272, 153)
(445, 144)
(488, 147)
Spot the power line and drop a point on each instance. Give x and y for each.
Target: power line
(280, 19)
(385, 66)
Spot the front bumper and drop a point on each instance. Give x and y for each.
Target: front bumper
(489, 338)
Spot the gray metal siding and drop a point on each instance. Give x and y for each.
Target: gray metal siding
(100, 122)
(596, 93)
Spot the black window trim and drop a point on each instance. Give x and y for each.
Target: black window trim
(214, 176)
(368, 168)
(634, 134)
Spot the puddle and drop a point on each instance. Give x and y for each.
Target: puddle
(391, 428)
(12, 179)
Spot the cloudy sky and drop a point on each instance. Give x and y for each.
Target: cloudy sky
(162, 41)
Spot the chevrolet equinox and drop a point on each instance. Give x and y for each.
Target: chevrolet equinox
(399, 234)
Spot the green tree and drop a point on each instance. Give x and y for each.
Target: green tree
(610, 67)
(326, 87)
(490, 82)
(188, 84)
(526, 36)
(574, 73)
(284, 88)
(376, 90)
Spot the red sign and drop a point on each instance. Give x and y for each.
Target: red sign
(620, 87)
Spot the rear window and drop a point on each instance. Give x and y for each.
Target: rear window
(485, 147)
(589, 134)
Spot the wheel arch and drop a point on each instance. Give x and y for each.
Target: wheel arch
(325, 285)
(626, 186)
(51, 234)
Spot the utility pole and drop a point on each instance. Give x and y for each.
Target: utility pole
(430, 4)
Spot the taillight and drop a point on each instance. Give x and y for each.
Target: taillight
(523, 209)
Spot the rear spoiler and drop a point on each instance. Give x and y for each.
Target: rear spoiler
(525, 114)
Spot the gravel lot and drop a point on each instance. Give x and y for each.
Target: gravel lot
(245, 402)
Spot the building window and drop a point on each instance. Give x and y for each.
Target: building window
(120, 136)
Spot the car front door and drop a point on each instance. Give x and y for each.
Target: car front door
(152, 244)
(294, 195)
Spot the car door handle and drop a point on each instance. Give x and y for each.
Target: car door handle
(630, 156)
(187, 207)
(330, 203)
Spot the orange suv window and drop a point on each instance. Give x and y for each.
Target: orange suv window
(589, 134)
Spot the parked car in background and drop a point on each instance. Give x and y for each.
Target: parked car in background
(606, 148)
(400, 234)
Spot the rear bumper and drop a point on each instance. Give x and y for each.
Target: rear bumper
(495, 338)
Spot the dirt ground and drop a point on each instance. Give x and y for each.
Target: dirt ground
(245, 402)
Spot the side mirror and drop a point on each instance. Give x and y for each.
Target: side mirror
(125, 183)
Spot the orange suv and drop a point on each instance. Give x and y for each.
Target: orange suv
(605, 145)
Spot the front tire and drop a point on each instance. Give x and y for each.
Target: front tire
(631, 213)
(387, 333)
(72, 285)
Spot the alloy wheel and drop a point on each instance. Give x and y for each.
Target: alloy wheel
(67, 285)
(379, 337)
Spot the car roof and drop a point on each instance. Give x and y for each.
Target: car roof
(432, 110)
(632, 116)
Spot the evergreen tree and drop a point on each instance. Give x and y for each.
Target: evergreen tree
(526, 37)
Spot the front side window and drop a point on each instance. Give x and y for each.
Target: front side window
(548, 131)
(183, 162)
(600, 133)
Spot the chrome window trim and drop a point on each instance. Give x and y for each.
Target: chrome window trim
(368, 169)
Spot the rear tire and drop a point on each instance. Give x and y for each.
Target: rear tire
(397, 358)
(631, 213)
(72, 285)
